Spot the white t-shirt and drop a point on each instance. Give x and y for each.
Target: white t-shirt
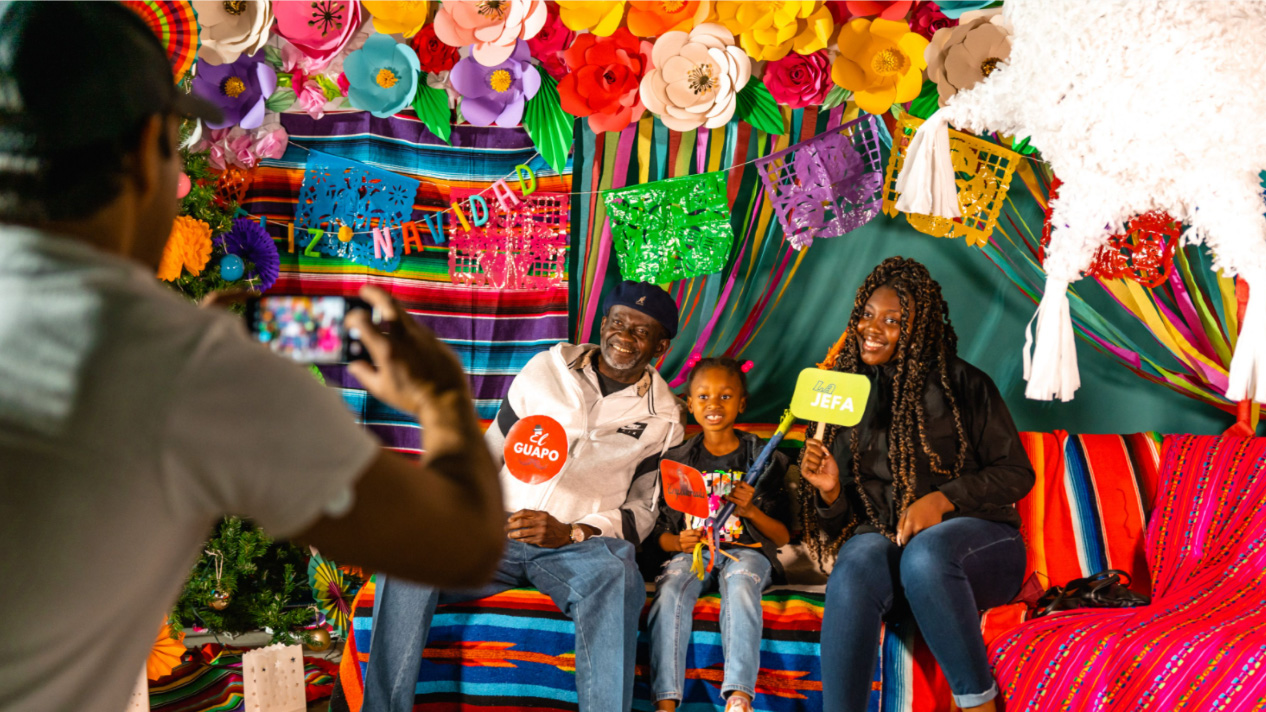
(130, 422)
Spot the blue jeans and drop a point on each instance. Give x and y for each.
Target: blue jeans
(946, 574)
(672, 613)
(595, 583)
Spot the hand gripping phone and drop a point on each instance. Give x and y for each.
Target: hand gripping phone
(307, 329)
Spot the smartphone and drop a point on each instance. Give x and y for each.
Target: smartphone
(307, 329)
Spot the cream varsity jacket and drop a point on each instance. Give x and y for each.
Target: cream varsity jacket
(611, 478)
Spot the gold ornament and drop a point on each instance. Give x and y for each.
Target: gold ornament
(319, 640)
(219, 600)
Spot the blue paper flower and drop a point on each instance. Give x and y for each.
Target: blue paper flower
(250, 241)
(956, 8)
(382, 76)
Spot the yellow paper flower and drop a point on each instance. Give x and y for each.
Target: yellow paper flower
(404, 17)
(769, 30)
(881, 62)
(600, 18)
(189, 246)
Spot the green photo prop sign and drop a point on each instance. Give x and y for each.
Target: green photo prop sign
(830, 397)
(671, 229)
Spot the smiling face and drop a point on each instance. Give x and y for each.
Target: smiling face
(879, 327)
(716, 398)
(630, 340)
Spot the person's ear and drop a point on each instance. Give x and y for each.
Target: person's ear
(149, 157)
(742, 404)
(661, 348)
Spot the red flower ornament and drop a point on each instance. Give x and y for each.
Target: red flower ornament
(603, 79)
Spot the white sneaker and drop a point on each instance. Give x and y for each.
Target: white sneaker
(737, 704)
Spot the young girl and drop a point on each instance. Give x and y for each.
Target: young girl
(716, 394)
(916, 501)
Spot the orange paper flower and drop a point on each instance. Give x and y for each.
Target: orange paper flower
(881, 62)
(165, 655)
(652, 18)
(189, 246)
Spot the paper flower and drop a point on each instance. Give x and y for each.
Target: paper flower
(238, 147)
(548, 44)
(652, 18)
(490, 28)
(927, 18)
(799, 80)
(164, 656)
(603, 80)
(881, 62)
(879, 8)
(769, 30)
(955, 8)
(696, 77)
(227, 30)
(600, 18)
(398, 17)
(248, 240)
(433, 55)
(239, 89)
(188, 247)
(382, 76)
(497, 94)
(319, 28)
(959, 57)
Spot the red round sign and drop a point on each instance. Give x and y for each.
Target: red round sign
(536, 449)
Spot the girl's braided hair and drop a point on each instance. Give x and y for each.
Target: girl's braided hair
(925, 349)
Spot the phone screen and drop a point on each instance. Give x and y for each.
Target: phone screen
(306, 329)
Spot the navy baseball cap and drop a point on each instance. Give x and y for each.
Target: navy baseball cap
(75, 74)
(648, 299)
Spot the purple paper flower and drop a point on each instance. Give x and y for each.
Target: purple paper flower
(239, 89)
(248, 239)
(496, 94)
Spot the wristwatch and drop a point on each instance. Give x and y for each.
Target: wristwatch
(578, 534)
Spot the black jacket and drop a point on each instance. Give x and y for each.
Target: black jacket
(771, 498)
(996, 472)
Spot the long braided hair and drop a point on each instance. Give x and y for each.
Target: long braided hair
(925, 349)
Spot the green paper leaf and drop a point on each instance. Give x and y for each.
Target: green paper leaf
(1022, 147)
(897, 111)
(549, 126)
(837, 96)
(328, 86)
(928, 101)
(757, 107)
(432, 107)
(281, 100)
(272, 55)
(285, 80)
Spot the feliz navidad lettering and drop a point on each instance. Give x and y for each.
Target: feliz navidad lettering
(411, 233)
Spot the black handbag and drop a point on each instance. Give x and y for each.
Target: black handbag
(1102, 590)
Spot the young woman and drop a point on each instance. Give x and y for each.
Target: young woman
(916, 501)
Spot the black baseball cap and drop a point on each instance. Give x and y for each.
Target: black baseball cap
(75, 74)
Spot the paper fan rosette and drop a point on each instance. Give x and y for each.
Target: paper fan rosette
(166, 653)
(332, 591)
(176, 25)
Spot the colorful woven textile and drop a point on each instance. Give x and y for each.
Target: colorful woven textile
(176, 24)
(198, 687)
(1199, 645)
(494, 332)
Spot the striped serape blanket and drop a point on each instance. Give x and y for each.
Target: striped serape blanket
(211, 681)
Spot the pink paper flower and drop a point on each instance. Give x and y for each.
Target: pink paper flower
(239, 147)
(799, 80)
(490, 28)
(311, 99)
(927, 18)
(548, 44)
(318, 28)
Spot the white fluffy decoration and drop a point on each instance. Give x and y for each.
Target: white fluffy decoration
(1138, 105)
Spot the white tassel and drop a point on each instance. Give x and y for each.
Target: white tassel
(1050, 365)
(1247, 378)
(926, 183)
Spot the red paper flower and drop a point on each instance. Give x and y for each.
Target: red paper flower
(895, 10)
(927, 18)
(434, 55)
(603, 80)
(548, 44)
(799, 80)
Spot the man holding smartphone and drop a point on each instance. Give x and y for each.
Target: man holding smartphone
(574, 536)
(131, 421)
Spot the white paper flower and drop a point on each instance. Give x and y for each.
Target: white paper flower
(228, 29)
(696, 78)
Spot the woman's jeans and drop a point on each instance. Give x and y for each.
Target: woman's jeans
(672, 613)
(946, 574)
